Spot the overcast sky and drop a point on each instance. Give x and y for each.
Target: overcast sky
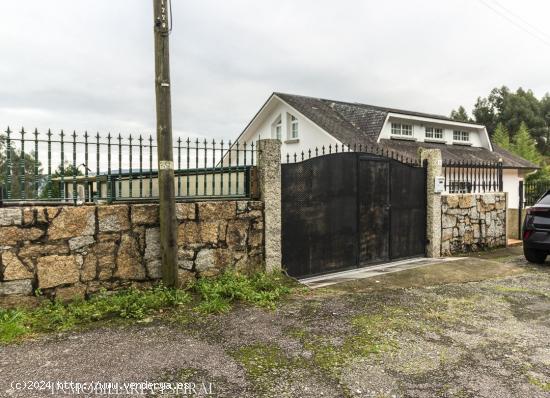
(88, 64)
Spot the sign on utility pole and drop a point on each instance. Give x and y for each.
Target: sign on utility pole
(167, 208)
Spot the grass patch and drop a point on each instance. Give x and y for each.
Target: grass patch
(11, 325)
(262, 289)
(213, 296)
(56, 316)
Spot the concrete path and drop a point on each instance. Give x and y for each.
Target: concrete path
(373, 271)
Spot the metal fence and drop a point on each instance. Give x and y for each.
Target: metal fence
(61, 167)
(531, 191)
(472, 177)
(360, 148)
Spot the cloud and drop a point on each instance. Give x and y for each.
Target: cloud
(89, 64)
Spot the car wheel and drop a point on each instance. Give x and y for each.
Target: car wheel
(535, 256)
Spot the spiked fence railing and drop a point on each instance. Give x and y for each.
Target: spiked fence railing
(115, 168)
(340, 148)
(472, 177)
(533, 190)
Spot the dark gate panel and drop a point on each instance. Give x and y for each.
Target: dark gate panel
(319, 199)
(349, 210)
(374, 212)
(408, 211)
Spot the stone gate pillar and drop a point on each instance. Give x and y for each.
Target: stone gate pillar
(433, 201)
(269, 176)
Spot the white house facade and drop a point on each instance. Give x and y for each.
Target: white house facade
(306, 124)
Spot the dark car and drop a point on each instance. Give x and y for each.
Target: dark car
(536, 230)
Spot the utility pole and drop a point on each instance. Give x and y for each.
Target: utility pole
(167, 205)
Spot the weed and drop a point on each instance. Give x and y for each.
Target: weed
(217, 296)
(262, 289)
(11, 325)
(56, 316)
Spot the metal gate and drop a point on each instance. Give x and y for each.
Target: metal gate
(349, 210)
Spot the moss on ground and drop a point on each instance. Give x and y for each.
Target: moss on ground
(449, 310)
(370, 334)
(515, 289)
(544, 386)
(267, 365)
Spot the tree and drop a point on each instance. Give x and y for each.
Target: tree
(523, 107)
(511, 109)
(54, 187)
(460, 115)
(542, 174)
(32, 170)
(525, 146)
(501, 137)
(485, 113)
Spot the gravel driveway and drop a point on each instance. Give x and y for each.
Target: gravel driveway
(478, 327)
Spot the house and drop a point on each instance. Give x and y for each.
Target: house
(305, 123)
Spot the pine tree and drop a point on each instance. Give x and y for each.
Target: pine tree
(525, 146)
(460, 115)
(501, 136)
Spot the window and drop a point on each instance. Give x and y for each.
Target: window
(461, 136)
(435, 133)
(277, 128)
(402, 129)
(293, 127)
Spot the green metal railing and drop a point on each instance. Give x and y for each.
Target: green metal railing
(107, 168)
(533, 190)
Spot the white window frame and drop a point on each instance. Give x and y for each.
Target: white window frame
(461, 136)
(294, 128)
(434, 133)
(402, 129)
(277, 128)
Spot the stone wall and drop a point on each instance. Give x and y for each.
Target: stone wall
(74, 251)
(512, 223)
(472, 222)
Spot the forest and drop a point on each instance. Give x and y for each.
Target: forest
(516, 121)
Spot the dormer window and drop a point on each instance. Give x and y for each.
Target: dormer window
(402, 129)
(461, 136)
(434, 133)
(293, 133)
(277, 128)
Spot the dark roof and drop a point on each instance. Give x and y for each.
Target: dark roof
(358, 113)
(353, 123)
(513, 161)
(324, 114)
(457, 153)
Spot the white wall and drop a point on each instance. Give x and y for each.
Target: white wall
(510, 182)
(477, 134)
(309, 134)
